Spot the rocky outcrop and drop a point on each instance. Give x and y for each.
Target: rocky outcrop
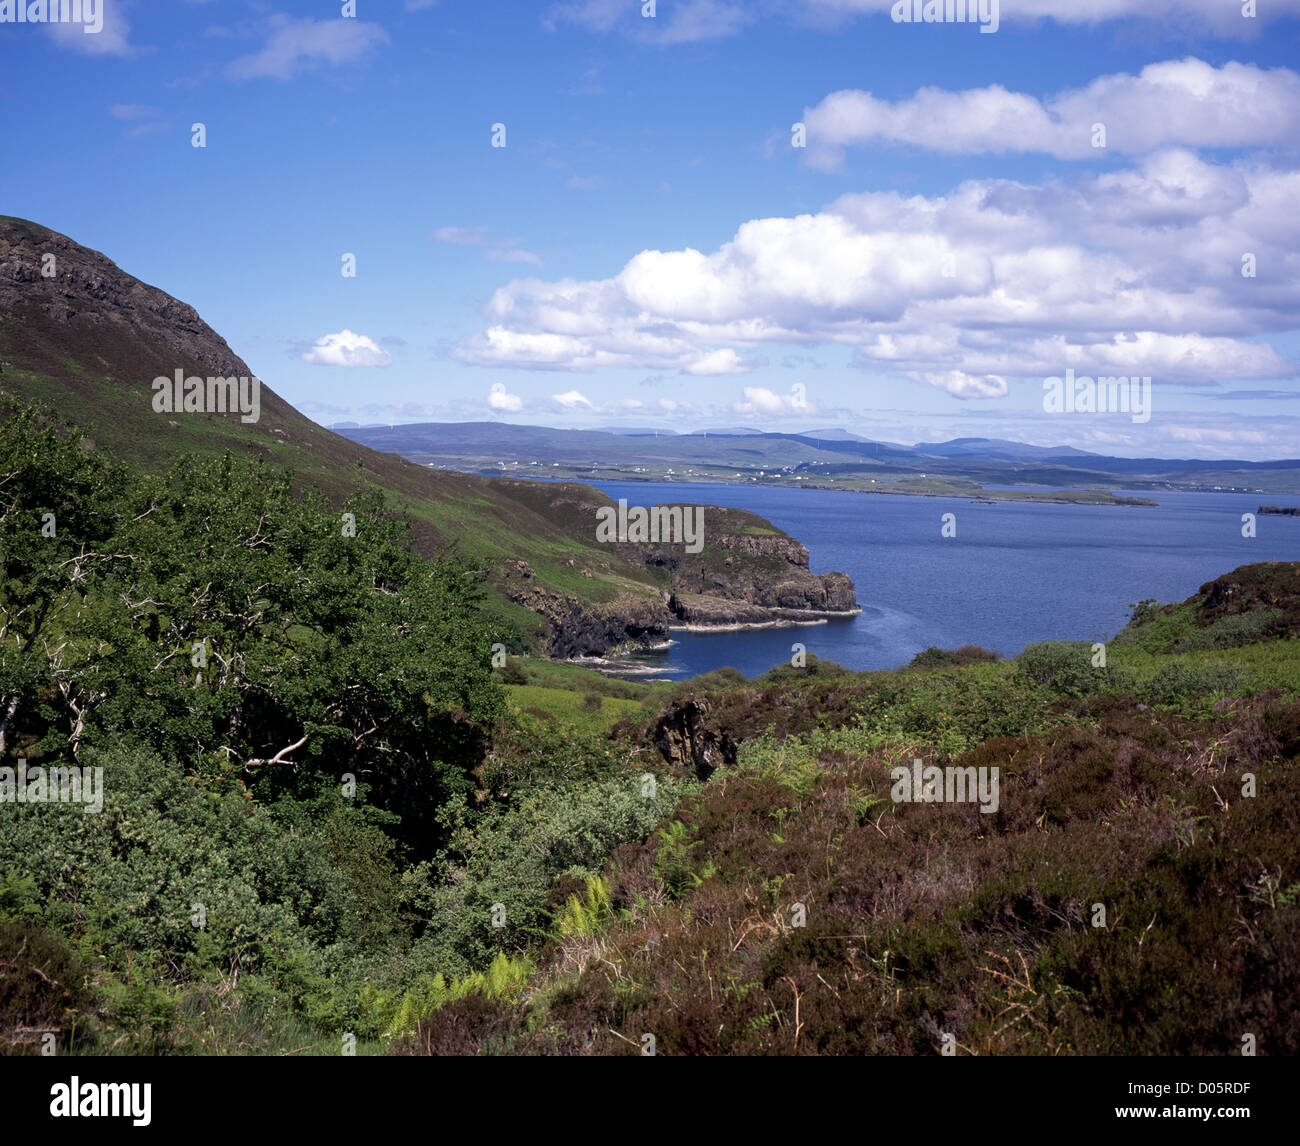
(686, 743)
(746, 574)
(582, 629)
(1269, 586)
(813, 597)
(47, 277)
(701, 613)
(750, 574)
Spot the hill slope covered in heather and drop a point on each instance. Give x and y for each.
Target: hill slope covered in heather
(1133, 888)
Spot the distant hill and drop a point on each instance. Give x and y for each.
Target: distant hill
(493, 446)
(832, 458)
(834, 435)
(727, 432)
(999, 448)
(636, 431)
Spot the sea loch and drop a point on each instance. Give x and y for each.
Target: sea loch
(1014, 573)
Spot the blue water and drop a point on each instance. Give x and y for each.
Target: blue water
(1014, 574)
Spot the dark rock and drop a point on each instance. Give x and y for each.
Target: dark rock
(686, 743)
(88, 287)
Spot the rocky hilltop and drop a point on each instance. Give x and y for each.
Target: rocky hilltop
(85, 338)
(85, 292)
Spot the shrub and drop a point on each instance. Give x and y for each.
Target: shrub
(1144, 610)
(1179, 682)
(1064, 667)
(942, 658)
(722, 678)
(951, 710)
(1230, 632)
(42, 986)
(814, 666)
(125, 882)
(513, 855)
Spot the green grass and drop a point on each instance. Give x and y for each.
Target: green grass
(571, 708)
(1270, 665)
(557, 674)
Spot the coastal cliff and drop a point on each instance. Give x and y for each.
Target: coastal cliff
(747, 574)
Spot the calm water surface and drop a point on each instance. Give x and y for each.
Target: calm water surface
(1014, 574)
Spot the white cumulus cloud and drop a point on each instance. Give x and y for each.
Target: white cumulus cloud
(572, 400)
(963, 385)
(346, 349)
(499, 398)
(1174, 103)
(763, 402)
(1136, 271)
(725, 361)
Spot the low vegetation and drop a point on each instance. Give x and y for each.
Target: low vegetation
(1135, 891)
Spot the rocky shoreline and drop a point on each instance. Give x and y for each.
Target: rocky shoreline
(585, 633)
(785, 619)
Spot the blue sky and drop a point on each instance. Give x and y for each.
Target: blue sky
(649, 249)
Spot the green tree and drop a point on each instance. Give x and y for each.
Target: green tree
(233, 624)
(59, 504)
